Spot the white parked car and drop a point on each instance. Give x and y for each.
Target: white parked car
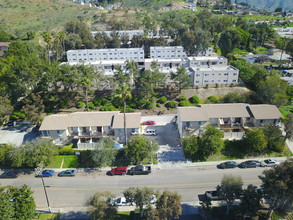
(269, 163)
(121, 201)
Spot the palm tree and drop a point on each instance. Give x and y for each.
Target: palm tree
(124, 93)
(48, 40)
(62, 36)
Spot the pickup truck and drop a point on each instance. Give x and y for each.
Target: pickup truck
(213, 195)
(140, 170)
(118, 171)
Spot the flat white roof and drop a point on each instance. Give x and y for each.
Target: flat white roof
(214, 68)
(98, 62)
(169, 47)
(106, 50)
(205, 58)
(149, 60)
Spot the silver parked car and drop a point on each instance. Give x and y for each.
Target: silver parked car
(269, 163)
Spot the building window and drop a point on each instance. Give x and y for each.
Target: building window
(196, 81)
(225, 74)
(46, 133)
(234, 74)
(225, 80)
(234, 80)
(197, 74)
(206, 81)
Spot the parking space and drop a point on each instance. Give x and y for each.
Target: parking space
(167, 136)
(17, 135)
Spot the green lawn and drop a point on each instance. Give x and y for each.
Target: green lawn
(122, 216)
(70, 161)
(47, 216)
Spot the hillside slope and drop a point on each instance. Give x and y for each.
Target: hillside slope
(270, 4)
(19, 16)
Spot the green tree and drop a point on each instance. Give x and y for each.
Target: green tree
(250, 201)
(211, 142)
(255, 140)
(139, 148)
(5, 109)
(33, 108)
(289, 126)
(141, 196)
(39, 150)
(229, 40)
(168, 205)
(277, 185)
(120, 77)
(6, 206)
(230, 189)
(48, 40)
(190, 146)
(181, 78)
(272, 90)
(124, 93)
(23, 202)
(105, 153)
(5, 150)
(274, 137)
(100, 207)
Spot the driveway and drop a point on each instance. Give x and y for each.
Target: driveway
(167, 137)
(17, 135)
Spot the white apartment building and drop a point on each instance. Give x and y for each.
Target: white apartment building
(129, 33)
(211, 71)
(90, 55)
(176, 52)
(206, 53)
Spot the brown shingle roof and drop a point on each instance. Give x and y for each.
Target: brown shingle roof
(86, 119)
(265, 112)
(55, 122)
(192, 114)
(132, 120)
(233, 110)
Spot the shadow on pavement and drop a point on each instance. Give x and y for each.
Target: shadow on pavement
(74, 216)
(190, 212)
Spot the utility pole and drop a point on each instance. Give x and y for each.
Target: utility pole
(38, 170)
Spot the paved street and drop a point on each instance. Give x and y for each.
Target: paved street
(74, 191)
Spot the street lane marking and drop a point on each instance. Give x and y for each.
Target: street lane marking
(154, 186)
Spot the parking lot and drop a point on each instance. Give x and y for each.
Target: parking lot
(17, 135)
(167, 137)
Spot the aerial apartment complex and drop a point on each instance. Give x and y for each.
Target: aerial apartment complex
(203, 70)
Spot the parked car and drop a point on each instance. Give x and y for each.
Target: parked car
(148, 123)
(121, 201)
(269, 163)
(10, 174)
(151, 132)
(11, 123)
(250, 164)
(140, 170)
(213, 195)
(118, 171)
(46, 173)
(228, 164)
(67, 173)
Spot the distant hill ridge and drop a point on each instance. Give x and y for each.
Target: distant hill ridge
(270, 4)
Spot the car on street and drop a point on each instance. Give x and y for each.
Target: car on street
(212, 195)
(269, 163)
(11, 123)
(148, 122)
(118, 171)
(121, 201)
(46, 173)
(10, 174)
(249, 164)
(67, 173)
(227, 165)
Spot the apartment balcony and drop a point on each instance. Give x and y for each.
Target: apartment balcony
(231, 125)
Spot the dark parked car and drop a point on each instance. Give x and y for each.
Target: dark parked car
(67, 173)
(148, 123)
(212, 195)
(11, 123)
(10, 174)
(228, 164)
(250, 164)
(46, 173)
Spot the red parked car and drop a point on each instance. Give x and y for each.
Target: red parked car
(148, 123)
(118, 171)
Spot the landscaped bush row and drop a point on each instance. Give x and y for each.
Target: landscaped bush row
(114, 103)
